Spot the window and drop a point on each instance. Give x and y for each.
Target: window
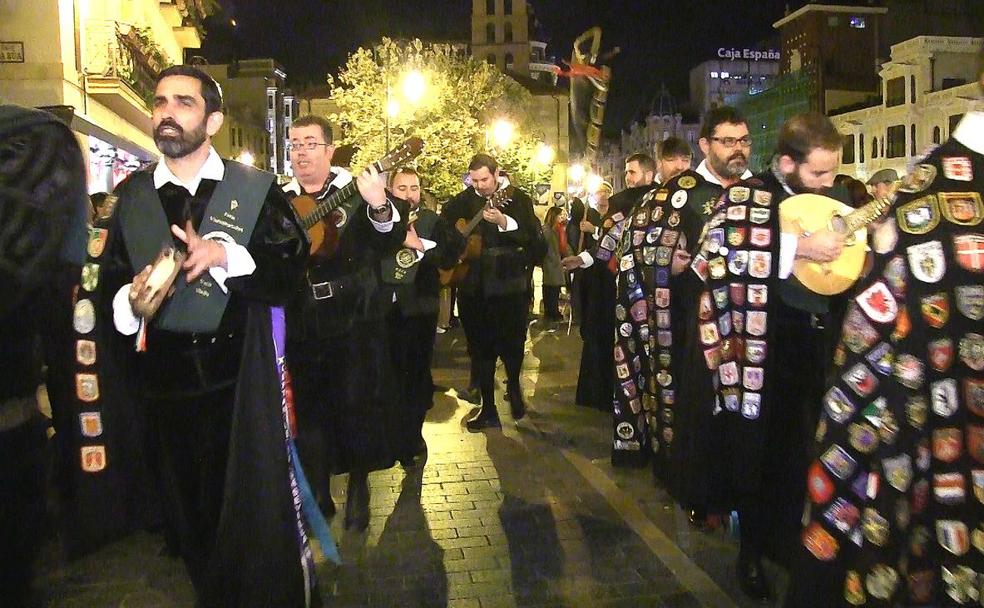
(874, 147)
(861, 147)
(895, 92)
(912, 89)
(507, 7)
(269, 102)
(936, 135)
(912, 139)
(714, 74)
(725, 74)
(896, 141)
(954, 121)
(858, 23)
(509, 60)
(489, 7)
(490, 33)
(508, 33)
(490, 58)
(847, 155)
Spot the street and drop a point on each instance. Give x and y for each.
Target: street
(533, 515)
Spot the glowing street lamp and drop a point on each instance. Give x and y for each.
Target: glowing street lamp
(392, 108)
(503, 132)
(576, 172)
(594, 183)
(246, 158)
(414, 86)
(544, 154)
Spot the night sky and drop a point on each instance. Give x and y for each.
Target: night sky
(660, 39)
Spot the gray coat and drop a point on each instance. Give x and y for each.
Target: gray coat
(553, 272)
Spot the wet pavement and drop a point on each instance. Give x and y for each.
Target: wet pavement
(532, 515)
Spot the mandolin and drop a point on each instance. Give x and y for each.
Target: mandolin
(806, 213)
(473, 249)
(314, 213)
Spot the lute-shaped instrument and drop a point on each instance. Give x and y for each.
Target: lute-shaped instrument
(313, 213)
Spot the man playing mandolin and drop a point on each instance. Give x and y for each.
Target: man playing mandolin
(491, 297)
(337, 345)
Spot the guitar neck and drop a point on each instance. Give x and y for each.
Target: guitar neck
(470, 226)
(333, 201)
(861, 217)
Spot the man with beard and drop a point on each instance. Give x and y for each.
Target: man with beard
(411, 276)
(896, 488)
(206, 369)
(674, 158)
(763, 337)
(337, 344)
(651, 413)
(640, 170)
(492, 296)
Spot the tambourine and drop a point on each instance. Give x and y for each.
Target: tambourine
(164, 271)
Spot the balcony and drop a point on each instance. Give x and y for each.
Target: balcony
(121, 67)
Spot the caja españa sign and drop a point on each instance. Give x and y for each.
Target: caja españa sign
(749, 54)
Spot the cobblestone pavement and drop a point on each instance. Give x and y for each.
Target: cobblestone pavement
(533, 515)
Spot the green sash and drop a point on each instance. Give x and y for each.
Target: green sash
(401, 267)
(233, 209)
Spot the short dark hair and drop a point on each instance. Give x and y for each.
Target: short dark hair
(646, 162)
(402, 171)
(309, 120)
(483, 160)
(805, 132)
(718, 116)
(211, 91)
(674, 146)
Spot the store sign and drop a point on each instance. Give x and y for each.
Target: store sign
(749, 54)
(11, 52)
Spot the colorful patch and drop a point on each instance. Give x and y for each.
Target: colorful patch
(687, 182)
(679, 199)
(947, 444)
(755, 323)
(761, 237)
(874, 527)
(957, 168)
(919, 216)
(838, 461)
(87, 387)
(97, 242)
(970, 301)
(85, 352)
(881, 358)
(927, 261)
(819, 542)
(962, 208)
(972, 351)
(84, 316)
(759, 215)
(758, 295)
(895, 276)
(882, 582)
(935, 308)
(940, 354)
(949, 489)
(898, 471)
(968, 249)
(878, 303)
(90, 424)
(93, 458)
(944, 397)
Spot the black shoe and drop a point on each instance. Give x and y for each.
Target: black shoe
(516, 405)
(471, 395)
(751, 578)
(357, 503)
(487, 418)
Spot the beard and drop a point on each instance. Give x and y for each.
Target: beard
(796, 185)
(182, 144)
(731, 167)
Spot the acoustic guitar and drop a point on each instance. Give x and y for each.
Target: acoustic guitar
(314, 213)
(473, 248)
(806, 213)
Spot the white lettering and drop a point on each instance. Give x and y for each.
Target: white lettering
(748, 54)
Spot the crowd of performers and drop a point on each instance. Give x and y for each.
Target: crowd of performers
(846, 430)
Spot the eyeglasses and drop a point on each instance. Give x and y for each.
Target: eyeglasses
(310, 146)
(731, 142)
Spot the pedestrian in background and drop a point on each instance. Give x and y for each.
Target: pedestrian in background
(555, 235)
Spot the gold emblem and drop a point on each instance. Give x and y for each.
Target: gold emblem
(963, 208)
(919, 216)
(687, 182)
(405, 258)
(233, 205)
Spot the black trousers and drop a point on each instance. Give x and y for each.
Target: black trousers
(412, 340)
(551, 301)
(22, 507)
(495, 327)
(192, 436)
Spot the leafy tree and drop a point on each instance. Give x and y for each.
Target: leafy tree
(461, 98)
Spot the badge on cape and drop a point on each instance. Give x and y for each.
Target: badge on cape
(687, 182)
(861, 380)
(752, 378)
(940, 354)
(751, 405)
(758, 295)
(405, 258)
(909, 371)
(974, 395)
(91, 424)
(969, 251)
(84, 318)
(898, 471)
(927, 261)
(755, 322)
(736, 235)
(919, 216)
(895, 275)
(970, 301)
(93, 458)
(97, 241)
(957, 168)
(972, 351)
(875, 527)
(962, 208)
(949, 489)
(759, 215)
(679, 199)
(674, 220)
(975, 447)
(87, 387)
(944, 397)
(838, 461)
(85, 352)
(882, 581)
(760, 264)
(918, 179)
(916, 411)
(737, 212)
(739, 194)
(947, 444)
(738, 262)
(935, 309)
(858, 332)
(755, 351)
(878, 303)
(820, 486)
(761, 237)
(761, 197)
(881, 358)
(90, 276)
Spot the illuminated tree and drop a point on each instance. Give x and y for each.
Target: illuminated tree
(398, 90)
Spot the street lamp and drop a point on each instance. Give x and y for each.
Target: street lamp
(544, 154)
(392, 108)
(246, 158)
(576, 172)
(503, 132)
(594, 183)
(414, 86)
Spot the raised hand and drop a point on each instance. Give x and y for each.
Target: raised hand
(202, 254)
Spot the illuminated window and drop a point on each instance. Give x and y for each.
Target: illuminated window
(714, 74)
(725, 74)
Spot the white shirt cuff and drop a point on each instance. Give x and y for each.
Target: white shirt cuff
(787, 253)
(510, 224)
(125, 321)
(587, 258)
(428, 244)
(387, 225)
(239, 263)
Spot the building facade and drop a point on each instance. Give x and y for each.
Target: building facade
(260, 108)
(927, 86)
(735, 71)
(95, 64)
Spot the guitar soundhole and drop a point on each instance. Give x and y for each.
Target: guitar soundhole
(837, 224)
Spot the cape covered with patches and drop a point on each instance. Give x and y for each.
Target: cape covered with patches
(897, 490)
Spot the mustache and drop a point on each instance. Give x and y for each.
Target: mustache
(167, 122)
(737, 155)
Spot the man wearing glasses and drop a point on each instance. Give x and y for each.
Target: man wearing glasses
(336, 340)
